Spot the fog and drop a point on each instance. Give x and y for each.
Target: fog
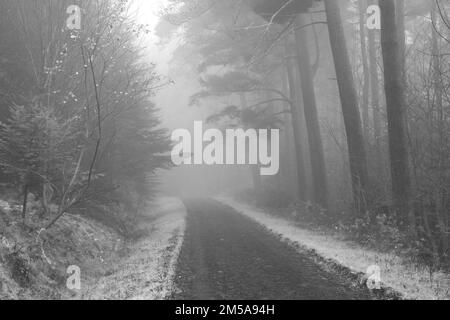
(306, 115)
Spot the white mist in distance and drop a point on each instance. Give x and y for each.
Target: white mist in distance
(173, 102)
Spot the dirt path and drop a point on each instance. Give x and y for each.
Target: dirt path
(227, 256)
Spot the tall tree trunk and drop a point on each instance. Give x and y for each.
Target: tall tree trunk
(272, 110)
(375, 102)
(366, 71)
(396, 112)
(375, 93)
(25, 200)
(319, 177)
(439, 105)
(349, 102)
(256, 177)
(289, 169)
(296, 110)
(400, 18)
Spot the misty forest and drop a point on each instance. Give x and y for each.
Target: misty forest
(93, 205)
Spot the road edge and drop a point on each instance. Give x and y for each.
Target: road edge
(348, 273)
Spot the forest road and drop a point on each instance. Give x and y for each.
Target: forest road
(225, 255)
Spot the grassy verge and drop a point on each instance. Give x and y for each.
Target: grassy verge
(334, 250)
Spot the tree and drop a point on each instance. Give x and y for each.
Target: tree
(438, 84)
(87, 128)
(250, 121)
(396, 113)
(296, 111)
(375, 93)
(365, 63)
(349, 104)
(319, 174)
(35, 145)
(400, 21)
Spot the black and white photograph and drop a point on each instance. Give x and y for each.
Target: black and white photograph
(224, 158)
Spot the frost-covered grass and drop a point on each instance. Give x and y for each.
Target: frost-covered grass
(147, 272)
(412, 281)
(33, 269)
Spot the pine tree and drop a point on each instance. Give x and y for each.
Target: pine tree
(34, 146)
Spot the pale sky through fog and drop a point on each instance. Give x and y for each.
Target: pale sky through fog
(147, 13)
(173, 99)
